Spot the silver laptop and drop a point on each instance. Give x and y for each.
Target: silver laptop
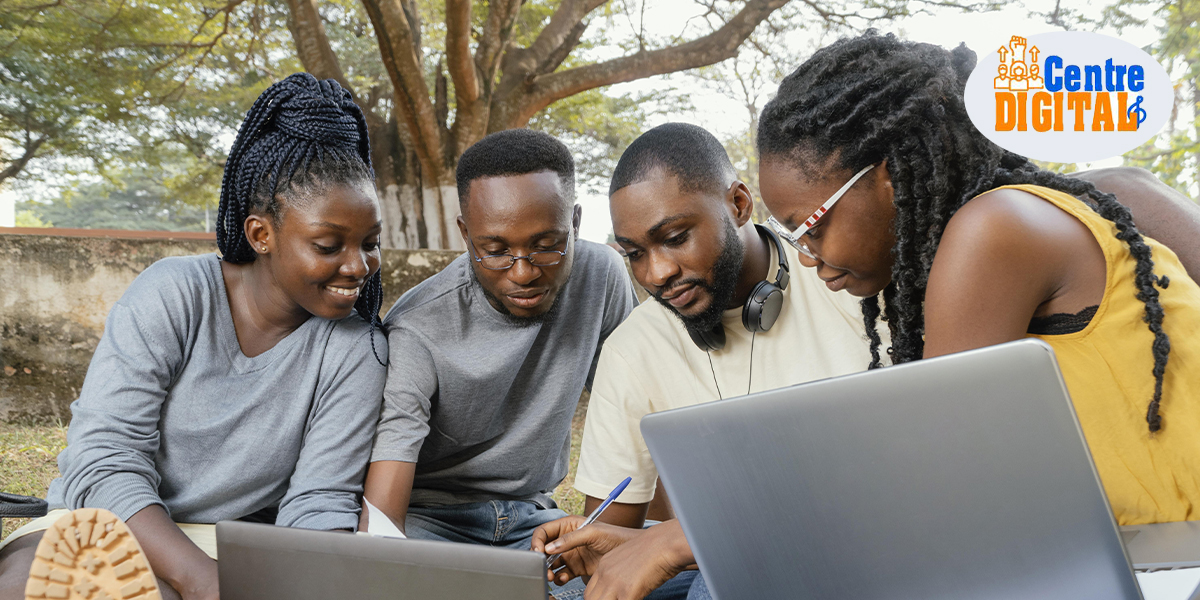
(1163, 546)
(964, 476)
(263, 562)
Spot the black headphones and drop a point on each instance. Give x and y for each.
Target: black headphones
(761, 308)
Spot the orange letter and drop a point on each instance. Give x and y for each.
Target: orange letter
(1021, 104)
(1102, 119)
(1058, 111)
(1006, 111)
(1125, 121)
(1042, 113)
(1079, 102)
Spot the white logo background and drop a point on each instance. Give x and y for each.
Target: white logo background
(1068, 146)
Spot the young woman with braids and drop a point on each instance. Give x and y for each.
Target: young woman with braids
(959, 244)
(240, 387)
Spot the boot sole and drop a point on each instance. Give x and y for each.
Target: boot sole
(90, 554)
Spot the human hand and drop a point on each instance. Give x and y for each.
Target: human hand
(641, 565)
(581, 548)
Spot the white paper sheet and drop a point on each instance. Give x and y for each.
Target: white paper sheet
(378, 524)
(1169, 585)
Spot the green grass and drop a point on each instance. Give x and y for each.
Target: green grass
(566, 496)
(28, 452)
(27, 460)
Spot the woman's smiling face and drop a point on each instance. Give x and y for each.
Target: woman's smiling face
(326, 248)
(853, 241)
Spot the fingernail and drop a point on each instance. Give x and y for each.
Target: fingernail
(552, 547)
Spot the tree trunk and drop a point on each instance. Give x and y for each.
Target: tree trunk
(450, 212)
(440, 200)
(397, 178)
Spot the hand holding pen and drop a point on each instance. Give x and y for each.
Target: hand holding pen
(596, 513)
(616, 562)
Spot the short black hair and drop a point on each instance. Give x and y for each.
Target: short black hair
(515, 152)
(693, 155)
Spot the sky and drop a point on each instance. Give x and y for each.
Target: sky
(726, 117)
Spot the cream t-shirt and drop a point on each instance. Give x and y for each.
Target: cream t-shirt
(650, 364)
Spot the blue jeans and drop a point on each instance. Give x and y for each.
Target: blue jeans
(503, 523)
(509, 524)
(699, 590)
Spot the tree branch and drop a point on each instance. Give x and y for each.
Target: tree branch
(30, 150)
(458, 52)
(569, 14)
(398, 48)
(502, 16)
(470, 112)
(191, 44)
(559, 54)
(715, 47)
(312, 43)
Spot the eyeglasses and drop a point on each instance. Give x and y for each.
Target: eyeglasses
(502, 262)
(793, 236)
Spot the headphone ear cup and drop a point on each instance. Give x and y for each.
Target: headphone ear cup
(711, 340)
(762, 308)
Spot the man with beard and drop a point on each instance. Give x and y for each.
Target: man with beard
(684, 221)
(488, 358)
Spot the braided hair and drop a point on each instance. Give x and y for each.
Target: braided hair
(864, 100)
(301, 138)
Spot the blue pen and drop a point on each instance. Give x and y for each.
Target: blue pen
(595, 514)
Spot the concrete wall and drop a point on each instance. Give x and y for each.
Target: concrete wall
(56, 291)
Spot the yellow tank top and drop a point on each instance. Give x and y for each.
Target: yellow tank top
(1149, 478)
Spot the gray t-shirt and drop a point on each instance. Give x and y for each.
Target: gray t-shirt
(482, 404)
(172, 413)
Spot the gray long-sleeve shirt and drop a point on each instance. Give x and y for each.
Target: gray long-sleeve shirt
(482, 404)
(173, 413)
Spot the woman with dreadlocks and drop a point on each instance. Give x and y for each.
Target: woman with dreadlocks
(960, 244)
(240, 387)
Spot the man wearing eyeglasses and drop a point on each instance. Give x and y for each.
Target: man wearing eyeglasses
(488, 358)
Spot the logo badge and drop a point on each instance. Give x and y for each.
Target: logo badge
(1069, 96)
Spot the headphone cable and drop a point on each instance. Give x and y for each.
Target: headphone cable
(714, 372)
(749, 379)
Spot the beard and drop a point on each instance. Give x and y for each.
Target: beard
(724, 279)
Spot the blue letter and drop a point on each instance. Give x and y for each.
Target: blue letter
(1053, 82)
(1117, 83)
(1072, 78)
(1093, 78)
(1137, 77)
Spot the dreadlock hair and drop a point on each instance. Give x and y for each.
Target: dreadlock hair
(301, 138)
(872, 98)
